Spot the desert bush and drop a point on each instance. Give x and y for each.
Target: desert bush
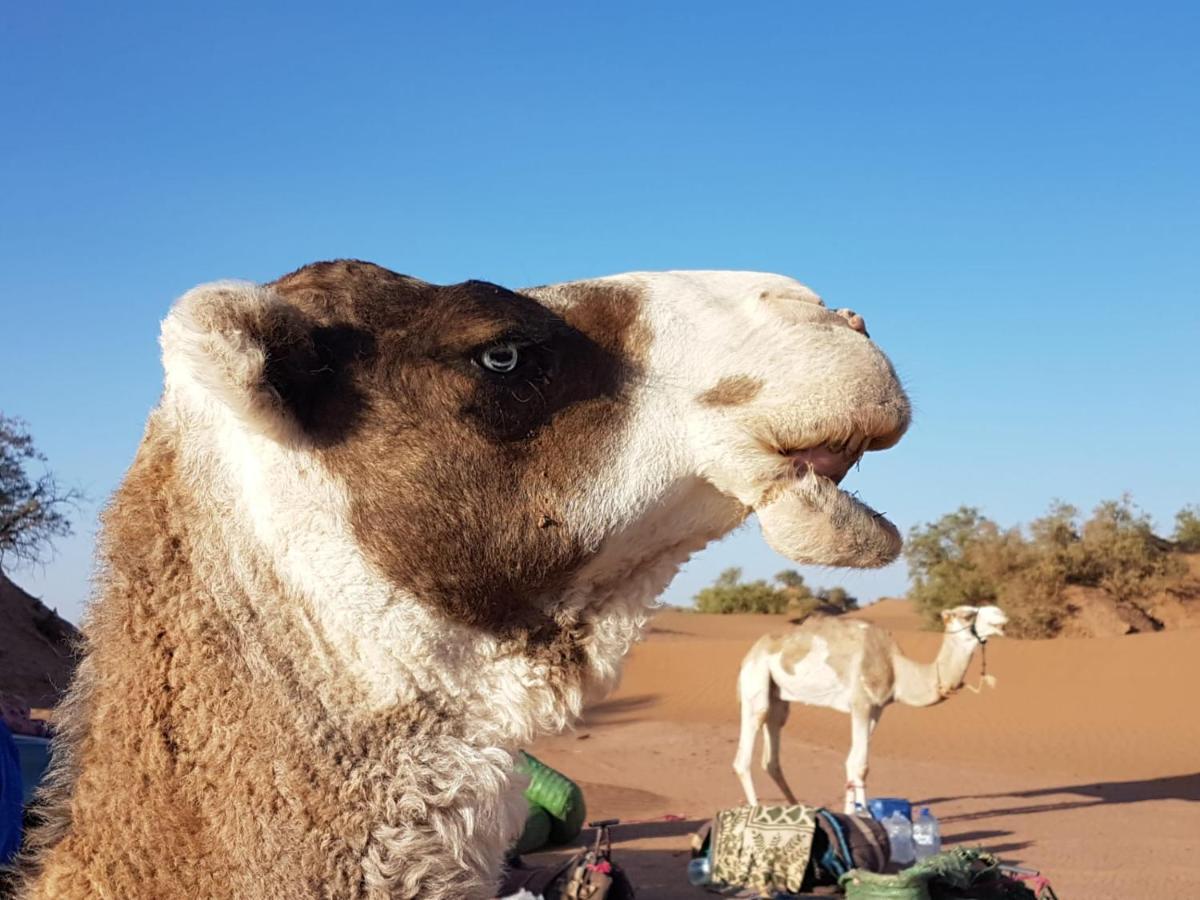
(965, 557)
(1122, 554)
(941, 561)
(1187, 529)
(729, 594)
(838, 598)
(33, 508)
(789, 593)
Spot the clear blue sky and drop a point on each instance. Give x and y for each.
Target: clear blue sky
(1010, 193)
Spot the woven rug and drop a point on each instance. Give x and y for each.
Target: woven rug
(764, 848)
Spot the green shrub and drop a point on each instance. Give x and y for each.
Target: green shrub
(1122, 554)
(789, 593)
(836, 598)
(965, 557)
(1187, 529)
(730, 595)
(943, 565)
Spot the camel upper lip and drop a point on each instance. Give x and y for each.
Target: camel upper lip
(831, 459)
(833, 451)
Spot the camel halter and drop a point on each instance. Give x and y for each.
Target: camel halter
(984, 677)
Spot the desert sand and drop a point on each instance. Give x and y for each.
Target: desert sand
(1083, 762)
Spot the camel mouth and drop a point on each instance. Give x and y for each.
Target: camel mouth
(831, 460)
(809, 518)
(992, 621)
(832, 456)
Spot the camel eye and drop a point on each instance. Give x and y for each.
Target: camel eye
(501, 358)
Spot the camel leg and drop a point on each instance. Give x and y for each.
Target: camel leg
(777, 714)
(754, 714)
(857, 759)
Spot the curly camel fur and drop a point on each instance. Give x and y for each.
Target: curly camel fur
(379, 533)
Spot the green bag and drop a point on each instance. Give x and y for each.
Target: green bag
(557, 795)
(537, 831)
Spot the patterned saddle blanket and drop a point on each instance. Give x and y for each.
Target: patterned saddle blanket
(764, 848)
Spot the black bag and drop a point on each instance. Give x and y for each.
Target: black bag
(842, 843)
(588, 875)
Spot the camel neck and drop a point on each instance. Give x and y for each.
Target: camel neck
(924, 684)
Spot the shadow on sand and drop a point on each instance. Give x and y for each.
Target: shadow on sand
(616, 712)
(1176, 787)
(658, 629)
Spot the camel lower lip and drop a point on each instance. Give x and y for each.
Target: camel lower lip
(813, 521)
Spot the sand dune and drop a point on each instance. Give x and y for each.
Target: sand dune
(1084, 761)
(36, 647)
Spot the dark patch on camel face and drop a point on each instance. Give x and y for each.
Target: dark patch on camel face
(732, 390)
(311, 376)
(454, 470)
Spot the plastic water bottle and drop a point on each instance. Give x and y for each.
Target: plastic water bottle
(927, 837)
(900, 837)
(699, 870)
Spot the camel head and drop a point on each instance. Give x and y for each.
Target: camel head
(794, 395)
(971, 623)
(530, 466)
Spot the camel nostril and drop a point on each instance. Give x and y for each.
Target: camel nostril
(854, 320)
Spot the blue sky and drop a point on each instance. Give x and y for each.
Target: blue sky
(1008, 192)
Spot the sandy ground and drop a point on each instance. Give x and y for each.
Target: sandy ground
(1084, 762)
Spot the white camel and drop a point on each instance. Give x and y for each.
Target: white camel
(856, 668)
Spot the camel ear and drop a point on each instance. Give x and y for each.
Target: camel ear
(246, 347)
(962, 613)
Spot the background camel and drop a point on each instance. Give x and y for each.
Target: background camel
(853, 667)
(380, 532)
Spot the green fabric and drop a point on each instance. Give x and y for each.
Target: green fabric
(537, 831)
(557, 795)
(943, 876)
(860, 885)
(764, 848)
